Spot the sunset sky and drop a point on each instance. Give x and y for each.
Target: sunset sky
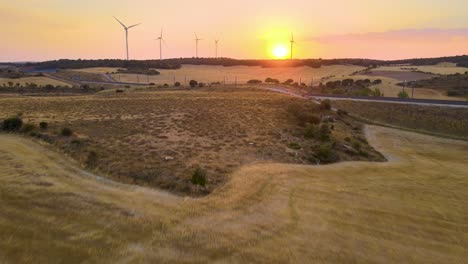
(35, 30)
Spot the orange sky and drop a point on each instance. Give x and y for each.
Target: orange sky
(52, 29)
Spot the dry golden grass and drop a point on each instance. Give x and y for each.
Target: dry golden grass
(98, 70)
(390, 88)
(443, 68)
(208, 74)
(37, 80)
(411, 210)
(158, 138)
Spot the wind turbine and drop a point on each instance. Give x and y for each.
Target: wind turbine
(161, 40)
(196, 41)
(292, 44)
(216, 50)
(126, 32)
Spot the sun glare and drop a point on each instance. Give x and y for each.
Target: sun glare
(280, 51)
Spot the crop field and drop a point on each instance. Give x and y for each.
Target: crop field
(445, 121)
(442, 68)
(159, 138)
(37, 80)
(390, 88)
(412, 209)
(209, 74)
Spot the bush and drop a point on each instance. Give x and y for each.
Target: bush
(119, 91)
(12, 124)
(177, 84)
(92, 160)
(270, 80)
(312, 132)
(66, 132)
(199, 177)
(294, 145)
(403, 95)
(288, 81)
(303, 115)
(377, 93)
(201, 85)
(342, 112)
(28, 128)
(254, 81)
(325, 105)
(43, 125)
(326, 153)
(193, 83)
(325, 132)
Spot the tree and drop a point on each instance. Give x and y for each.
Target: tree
(177, 84)
(193, 83)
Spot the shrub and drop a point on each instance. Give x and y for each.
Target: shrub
(26, 128)
(177, 84)
(199, 177)
(43, 125)
(325, 105)
(201, 85)
(92, 160)
(254, 81)
(403, 95)
(288, 81)
(270, 80)
(342, 112)
(325, 132)
(302, 115)
(166, 85)
(12, 124)
(193, 83)
(294, 145)
(119, 91)
(326, 154)
(377, 93)
(66, 132)
(152, 84)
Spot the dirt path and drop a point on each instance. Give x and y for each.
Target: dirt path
(413, 209)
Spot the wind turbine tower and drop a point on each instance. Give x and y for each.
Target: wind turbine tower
(196, 42)
(292, 45)
(126, 32)
(161, 40)
(216, 47)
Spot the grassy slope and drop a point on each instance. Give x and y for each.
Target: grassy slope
(411, 210)
(158, 138)
(445, 121)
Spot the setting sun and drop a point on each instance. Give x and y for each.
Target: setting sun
(280, 51)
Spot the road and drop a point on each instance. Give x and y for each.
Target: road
(426, 102)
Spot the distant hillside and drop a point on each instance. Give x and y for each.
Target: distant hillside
(461, 61)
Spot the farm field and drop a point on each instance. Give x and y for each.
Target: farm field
(390, 88)
(441, 68)
(37, 80)
(209, 74)
(412, 209)
(159, 138)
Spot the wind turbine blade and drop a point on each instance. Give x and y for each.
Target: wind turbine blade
(165, 44)
(120, 22)
(161, 32)
(134, 25)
